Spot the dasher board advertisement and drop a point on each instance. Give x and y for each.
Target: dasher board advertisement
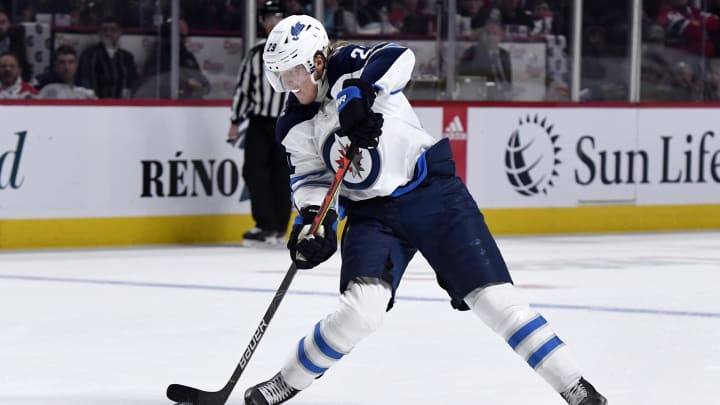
(65, 162)
(567, 157)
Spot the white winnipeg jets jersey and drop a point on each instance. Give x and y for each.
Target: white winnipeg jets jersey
(310, 133)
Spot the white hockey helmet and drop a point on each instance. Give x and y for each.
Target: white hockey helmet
(293, 42)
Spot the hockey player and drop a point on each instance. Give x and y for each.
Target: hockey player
(401, 196)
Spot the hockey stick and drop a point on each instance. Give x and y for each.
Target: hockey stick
(193, 396)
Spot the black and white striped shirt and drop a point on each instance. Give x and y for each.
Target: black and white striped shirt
(253, 94)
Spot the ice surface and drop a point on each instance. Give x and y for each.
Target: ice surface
(116, 326)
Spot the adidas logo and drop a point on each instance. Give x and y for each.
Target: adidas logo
(455, 129)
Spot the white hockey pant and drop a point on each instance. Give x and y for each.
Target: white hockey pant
(506, 312)
(361, 311)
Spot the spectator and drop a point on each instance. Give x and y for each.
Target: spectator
(488, 60)
(213, 14)
(331, 10)
(542, 17)
(63, 82)
(689, 86)
(12, 84)
(295, 6)
(343, 19)
(594, 74)
(517, 22)
(156, 72)
(412, 17)
(476, 11)
(106, 67)
(26, 13)
(12, 39)
(688, 28)
(367, 12)
(366, 17)
(90, 13)
(656, 77)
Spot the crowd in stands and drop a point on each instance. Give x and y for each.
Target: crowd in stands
(680, 41)
(103, 70)
(419, 17)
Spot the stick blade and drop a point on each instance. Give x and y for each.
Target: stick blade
(182, 394)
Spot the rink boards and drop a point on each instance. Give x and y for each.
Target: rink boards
(88, 175)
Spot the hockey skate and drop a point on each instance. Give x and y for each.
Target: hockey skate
(583, 393)
(271, 392)
(257, 237)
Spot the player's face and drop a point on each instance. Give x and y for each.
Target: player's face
(299, 80)
(306, 91)
(294, 78)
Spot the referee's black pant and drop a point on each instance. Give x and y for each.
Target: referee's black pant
(266, 174)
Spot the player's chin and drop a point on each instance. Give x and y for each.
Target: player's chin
(304, 97)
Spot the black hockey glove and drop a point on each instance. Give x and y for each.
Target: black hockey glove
(357, 120)
(307, 251)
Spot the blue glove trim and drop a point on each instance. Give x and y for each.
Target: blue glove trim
(341, 211)
(298, 220)
(347, 94)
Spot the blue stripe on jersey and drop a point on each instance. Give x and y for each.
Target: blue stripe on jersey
(380, 61)
(312, 183)
(305, 360)
(298, 178)
(526, 331)
(544, 350)
(345, 60)
(324, 346)
(293, 114)
(421, 170)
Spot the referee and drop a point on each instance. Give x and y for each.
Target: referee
(265, 169)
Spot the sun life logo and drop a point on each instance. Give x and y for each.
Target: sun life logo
(531, 156)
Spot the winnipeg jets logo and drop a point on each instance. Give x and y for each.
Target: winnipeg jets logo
(356, 170)
(296, 30)
(364, 168)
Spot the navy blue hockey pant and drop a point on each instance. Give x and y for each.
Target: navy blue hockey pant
(440, 219)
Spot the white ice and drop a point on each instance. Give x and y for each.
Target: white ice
(641, 313)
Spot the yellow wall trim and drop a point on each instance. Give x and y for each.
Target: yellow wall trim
(601, 219)
(86, 232)
(82, 232)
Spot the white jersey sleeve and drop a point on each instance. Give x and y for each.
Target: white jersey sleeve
(314, 142)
